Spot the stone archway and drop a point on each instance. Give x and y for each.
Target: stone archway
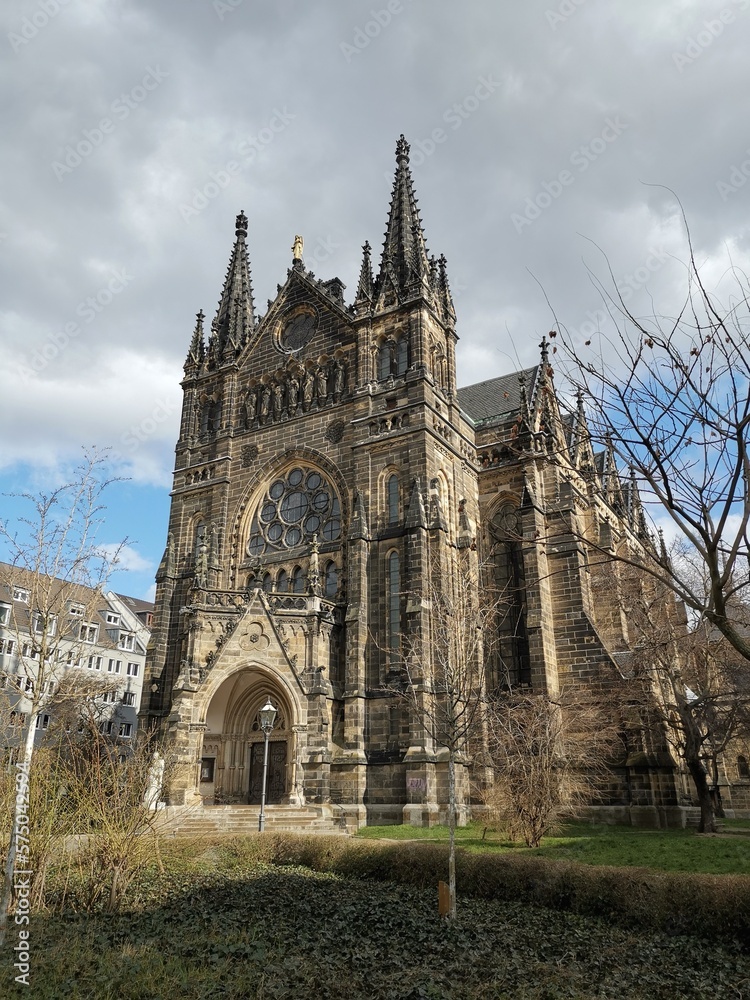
(232, 755)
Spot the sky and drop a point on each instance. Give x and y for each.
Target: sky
(554, 143)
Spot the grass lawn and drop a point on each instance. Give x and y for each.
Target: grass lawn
(597, 844)
(217, 926)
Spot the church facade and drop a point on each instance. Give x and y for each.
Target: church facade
(328, 470)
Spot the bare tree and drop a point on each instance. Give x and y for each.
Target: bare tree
(691, 682)
(51, 588)
(548, 756)
(670, 396)
(443, 675)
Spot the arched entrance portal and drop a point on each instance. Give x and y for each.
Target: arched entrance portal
(231, 769)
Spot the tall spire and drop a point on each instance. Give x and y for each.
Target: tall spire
(235, 317)
(446, 299)
(365, 287)
(404, 264)
(197, 350)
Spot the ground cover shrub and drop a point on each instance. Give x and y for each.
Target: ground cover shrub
(217, 925)
(715, 907)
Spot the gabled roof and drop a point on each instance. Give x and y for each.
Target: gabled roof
(496, 397)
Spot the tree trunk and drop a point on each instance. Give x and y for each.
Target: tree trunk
(700, 780)
(452, 834)
(19, 806)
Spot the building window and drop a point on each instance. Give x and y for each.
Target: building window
(4, 614)
(133, 670)
(298, 580)
(95, 663)
(402, 356)
(126, 729)
(207, 768)
(105, 728)
(128, 698)
(29, 651)
(21, 594)
(511, 657)
(282, 581)
(295, 508)
(393, 358)
(113, 619)
(7, 646)
(331, 580)
(267, 583)
(392, 497)
(394, 607)
(88, 632)
(126, 641)
(38, 623)
(743, 770)
(75, 610)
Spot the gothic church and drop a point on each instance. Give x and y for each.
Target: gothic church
(328, 466)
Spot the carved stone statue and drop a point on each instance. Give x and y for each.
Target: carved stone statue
(251, 406)
(293, 394)
(297, 247)
(278, 400)
(201, 566)
(338, 378)
(265, 403)
(307, 389)
(313, 576)
(321, 385)
(155, 782)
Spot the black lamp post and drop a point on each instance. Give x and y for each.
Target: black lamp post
(267, 719)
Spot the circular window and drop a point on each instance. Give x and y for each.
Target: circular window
(294, 506)
(275, 531)
(256, 546)
(312, 524)
(268, 512)
(293, 537)
(321, 500)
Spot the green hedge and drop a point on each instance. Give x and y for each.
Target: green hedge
(716, 907)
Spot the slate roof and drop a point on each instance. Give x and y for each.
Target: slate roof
(497, 397)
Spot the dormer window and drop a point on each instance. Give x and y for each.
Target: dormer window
(20, 594)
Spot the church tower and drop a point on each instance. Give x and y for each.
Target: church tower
(330, 479)
(321, 453)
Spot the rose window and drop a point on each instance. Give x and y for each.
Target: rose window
(296, 507)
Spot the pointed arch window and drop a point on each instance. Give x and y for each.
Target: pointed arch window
(393, 587)
(743, 770)
(331, 580)
(511, 652)
(268, 583)
(282, 581)
(392, 499)
(402, 356)
(384, 360)
(298, 580)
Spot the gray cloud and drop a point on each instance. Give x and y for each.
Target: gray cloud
(309, 101)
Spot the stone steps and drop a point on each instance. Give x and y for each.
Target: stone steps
(240, 820)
